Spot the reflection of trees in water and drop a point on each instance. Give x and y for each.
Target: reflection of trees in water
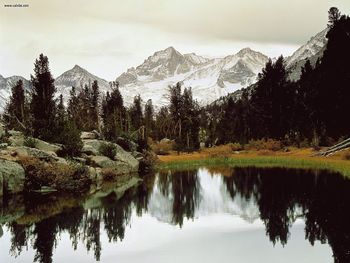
(323, 199)
(81, 225)
(184, 187)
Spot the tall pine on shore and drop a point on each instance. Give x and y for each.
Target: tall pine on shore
(42, 105)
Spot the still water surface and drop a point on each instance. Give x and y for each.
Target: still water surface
(204, 215)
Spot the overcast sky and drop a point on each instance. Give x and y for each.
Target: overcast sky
(108, 36)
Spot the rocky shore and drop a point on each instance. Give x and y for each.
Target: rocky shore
(41, 169)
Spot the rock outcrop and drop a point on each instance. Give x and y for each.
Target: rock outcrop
(12, 177)
(49, 170)
(123, 162)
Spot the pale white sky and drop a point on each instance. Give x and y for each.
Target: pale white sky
(108, 36)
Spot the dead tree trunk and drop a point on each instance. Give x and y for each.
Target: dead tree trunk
(336, 148)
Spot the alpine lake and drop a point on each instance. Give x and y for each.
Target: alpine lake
(206, 214)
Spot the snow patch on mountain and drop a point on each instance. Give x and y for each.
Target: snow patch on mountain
(312, 50)
(208, 78)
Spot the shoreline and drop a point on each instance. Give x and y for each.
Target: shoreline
(295, 158)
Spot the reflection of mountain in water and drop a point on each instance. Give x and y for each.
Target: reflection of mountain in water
(213, 198)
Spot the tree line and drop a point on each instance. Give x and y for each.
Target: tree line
(313, 109)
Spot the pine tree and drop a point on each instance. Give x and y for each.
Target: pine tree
(136, 114)
(175, 113)
(14, 116)
(149, 119)
(272, 101)
(163, 124)
(43, 106)
(61, 113)
(95, 105)
(113, 114)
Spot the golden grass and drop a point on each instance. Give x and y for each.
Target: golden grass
(294, 158)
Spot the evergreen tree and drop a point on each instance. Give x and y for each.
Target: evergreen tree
(73, 107)
(95, 105)
(113, 113)
(15, 116)
(136, 114)
(163, 124)
(61, 112)
(149, 119)
(272, 101)
(175, 113)
(43, 107)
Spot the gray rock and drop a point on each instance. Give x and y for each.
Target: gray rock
(102, 161)
(124, 162)
(12, 177)
(118, 167)
(24, 151)
(17, 139)
(88, 135)
(47, 147)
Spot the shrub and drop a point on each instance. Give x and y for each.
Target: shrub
(108, 149)
(164, 147)
(30, 142)
(264, 144)
(219, 151)
(71, 178)
(108, 174)
(236, 146)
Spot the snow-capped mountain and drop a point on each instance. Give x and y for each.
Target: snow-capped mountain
(208, 78)
(312, 50)
(77, 77)
(6, 85)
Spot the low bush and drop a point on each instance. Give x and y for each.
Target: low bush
(164, 147)
(218, 151)
(108, 174)
(108, 149)
(264, 144)
(30, 142)
(236, 146)
(71, 178)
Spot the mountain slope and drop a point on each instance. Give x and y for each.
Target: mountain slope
(209, 78)
(312, 50)
(77, 77)
(6, 85)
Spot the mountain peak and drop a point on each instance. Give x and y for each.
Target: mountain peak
(171, 48)
(77, 67)
(245, 50)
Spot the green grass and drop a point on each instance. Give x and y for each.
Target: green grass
(342, 167)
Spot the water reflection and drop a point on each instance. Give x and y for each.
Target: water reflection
(275, 196)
